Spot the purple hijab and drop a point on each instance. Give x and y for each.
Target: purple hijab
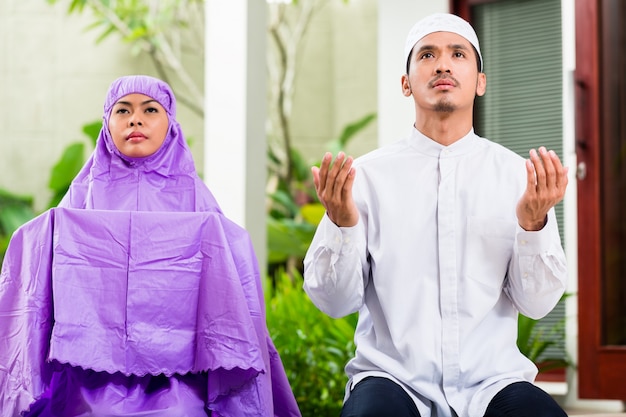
(164, 181)
(137, 296)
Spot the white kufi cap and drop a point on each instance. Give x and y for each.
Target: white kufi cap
(441, 22)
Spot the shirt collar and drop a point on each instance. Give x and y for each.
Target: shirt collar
(429, 147)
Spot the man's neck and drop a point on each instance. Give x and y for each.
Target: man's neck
(444, 128)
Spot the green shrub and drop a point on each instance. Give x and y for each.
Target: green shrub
(314, 347)
(534, 337)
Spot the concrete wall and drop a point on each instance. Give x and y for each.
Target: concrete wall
(336, 78)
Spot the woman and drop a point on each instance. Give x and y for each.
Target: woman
(136, 296)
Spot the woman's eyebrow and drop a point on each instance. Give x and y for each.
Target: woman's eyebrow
(143, 103)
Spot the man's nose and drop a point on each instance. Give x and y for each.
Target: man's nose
(443, 65)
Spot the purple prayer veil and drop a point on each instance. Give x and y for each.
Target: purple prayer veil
(137, 296)
(166, 180)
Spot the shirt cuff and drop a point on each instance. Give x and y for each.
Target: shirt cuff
(337, 238)
(534, 242)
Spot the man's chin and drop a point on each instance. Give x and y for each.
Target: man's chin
(444, 107)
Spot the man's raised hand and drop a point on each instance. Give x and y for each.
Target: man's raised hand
(333, 184)
(545, 187)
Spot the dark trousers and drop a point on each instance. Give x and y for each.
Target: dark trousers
(381, 397)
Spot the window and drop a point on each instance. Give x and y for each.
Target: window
(520, 42)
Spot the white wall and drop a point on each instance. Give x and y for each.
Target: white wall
(395, 19)
(336, 78)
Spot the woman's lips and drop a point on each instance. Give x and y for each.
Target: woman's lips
(136, 137)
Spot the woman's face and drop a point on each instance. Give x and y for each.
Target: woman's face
(138, 125)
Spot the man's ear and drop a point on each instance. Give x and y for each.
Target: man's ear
(481, 85)
(406, 86)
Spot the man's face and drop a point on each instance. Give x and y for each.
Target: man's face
(443, 74)
(138, 125)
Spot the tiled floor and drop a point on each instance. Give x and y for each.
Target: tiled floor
(595, 412)
(559, 390)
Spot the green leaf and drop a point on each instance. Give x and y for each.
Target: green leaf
(77, 5)
(312, 213)
(67, 167)
(301, 167)
(286, 238)
(92, 130)
(534, 339)
(107, 32)
(13, 216)
(350, 131)
(285, 200)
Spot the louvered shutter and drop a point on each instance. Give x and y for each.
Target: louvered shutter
(521, 45)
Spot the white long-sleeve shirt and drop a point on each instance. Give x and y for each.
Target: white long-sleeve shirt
(438, 269)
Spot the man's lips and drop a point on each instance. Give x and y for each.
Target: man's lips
(443, 83)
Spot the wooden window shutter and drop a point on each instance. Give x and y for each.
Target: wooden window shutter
(521, 45)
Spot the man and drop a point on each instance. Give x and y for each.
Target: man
(439, 241)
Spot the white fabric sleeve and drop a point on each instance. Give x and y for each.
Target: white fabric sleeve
(333, 268)
(538, 270)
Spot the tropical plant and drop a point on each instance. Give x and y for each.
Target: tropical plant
(294, 211)
(314, 347)
(15, 210)
(70, 163)
(535, 337)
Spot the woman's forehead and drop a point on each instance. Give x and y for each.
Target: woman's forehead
(141, 84)
(137, 99)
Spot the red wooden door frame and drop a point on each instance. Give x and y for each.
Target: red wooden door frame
(601, 368)
(587, 82)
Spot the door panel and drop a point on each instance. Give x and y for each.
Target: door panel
(601, 154)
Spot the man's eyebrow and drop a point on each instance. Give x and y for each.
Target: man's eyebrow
(458, 46)
(453, 46)
(427, 48)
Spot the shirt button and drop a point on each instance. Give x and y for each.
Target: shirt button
(522, 242)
